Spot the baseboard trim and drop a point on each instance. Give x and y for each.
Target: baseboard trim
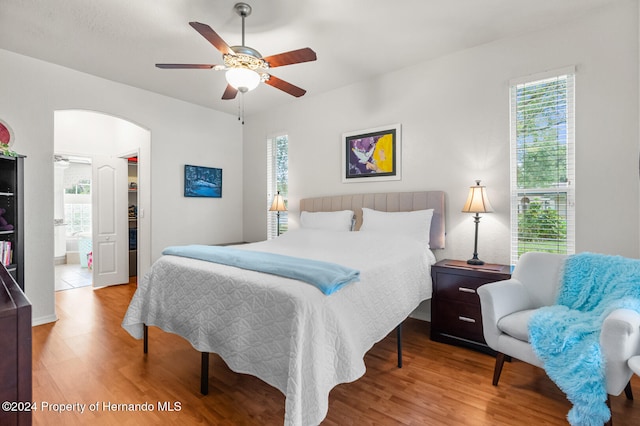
(44, 320)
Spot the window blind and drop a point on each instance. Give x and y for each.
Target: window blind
(543, 165)
(277, 180)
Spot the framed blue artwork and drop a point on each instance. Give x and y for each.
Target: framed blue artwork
(202, 181)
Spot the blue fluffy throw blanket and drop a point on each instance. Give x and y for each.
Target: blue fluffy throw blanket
(566, 336)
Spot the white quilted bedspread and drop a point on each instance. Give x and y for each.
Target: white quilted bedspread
(284, 331)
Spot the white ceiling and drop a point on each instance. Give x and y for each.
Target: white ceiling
(121, 40)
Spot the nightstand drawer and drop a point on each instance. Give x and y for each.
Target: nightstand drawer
(459, 287)
(460, 319)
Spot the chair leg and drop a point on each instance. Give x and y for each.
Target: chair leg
(498, 368)
(628, 392)
(610, 422)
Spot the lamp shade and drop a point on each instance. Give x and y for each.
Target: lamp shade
(278, 204)
(477, 201)
(242, 79)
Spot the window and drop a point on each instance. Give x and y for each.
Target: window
(542, 164)
(277, 180)
(77, 198)
(78, 218)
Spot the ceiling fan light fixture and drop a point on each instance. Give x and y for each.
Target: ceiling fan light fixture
(243, 79)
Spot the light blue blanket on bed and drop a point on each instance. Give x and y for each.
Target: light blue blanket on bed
(326, 276)
(566, 336)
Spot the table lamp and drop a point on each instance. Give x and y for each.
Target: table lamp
(278, 206)
(477, 202)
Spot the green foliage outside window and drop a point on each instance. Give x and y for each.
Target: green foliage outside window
(282, 176)
(541, 229)
(82, 187)
(282, 165)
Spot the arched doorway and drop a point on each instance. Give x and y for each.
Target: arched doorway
(102, 138)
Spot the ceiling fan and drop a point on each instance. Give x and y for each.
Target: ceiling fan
(245, 67)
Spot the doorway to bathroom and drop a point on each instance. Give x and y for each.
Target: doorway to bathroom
(72, 222)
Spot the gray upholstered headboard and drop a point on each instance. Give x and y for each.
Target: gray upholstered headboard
(388, 202)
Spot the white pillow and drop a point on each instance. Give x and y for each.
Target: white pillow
(416, 224)
(327, 221)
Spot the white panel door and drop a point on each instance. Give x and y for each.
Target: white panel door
(110, 222)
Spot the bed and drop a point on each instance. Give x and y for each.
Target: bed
(286, 332)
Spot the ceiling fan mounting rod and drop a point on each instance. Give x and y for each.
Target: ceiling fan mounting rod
(243, 10)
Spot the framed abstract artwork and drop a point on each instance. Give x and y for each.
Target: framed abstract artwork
(202, 181)
(372, 154)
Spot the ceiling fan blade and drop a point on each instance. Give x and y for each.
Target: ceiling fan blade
(230, 92)
(285, 86)
(186, 66)
(292, 57)
(213, 38)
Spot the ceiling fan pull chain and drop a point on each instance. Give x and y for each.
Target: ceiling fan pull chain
(242, 106)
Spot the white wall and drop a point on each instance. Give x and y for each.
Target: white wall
(79, 132)
(32, 90)
(454, 113)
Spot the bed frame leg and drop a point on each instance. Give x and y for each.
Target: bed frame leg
(204, 374)
(145, 345)
(399, 339)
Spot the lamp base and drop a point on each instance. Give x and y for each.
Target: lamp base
(475, 261)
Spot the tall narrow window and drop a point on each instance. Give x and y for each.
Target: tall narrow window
(277, 180)
(542, 165)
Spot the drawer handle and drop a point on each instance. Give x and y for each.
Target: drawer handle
(466, 319)
(466, 290)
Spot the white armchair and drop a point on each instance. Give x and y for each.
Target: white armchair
(508, 305)
(634, 364)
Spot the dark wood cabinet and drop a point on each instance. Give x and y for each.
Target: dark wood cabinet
(15, 352)
(455, 306)
(12, 209)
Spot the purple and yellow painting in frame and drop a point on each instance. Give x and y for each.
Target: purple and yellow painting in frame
(372, 154)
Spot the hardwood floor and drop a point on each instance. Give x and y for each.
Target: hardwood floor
(87, 358)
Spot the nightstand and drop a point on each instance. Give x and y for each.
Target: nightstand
(455, 306)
